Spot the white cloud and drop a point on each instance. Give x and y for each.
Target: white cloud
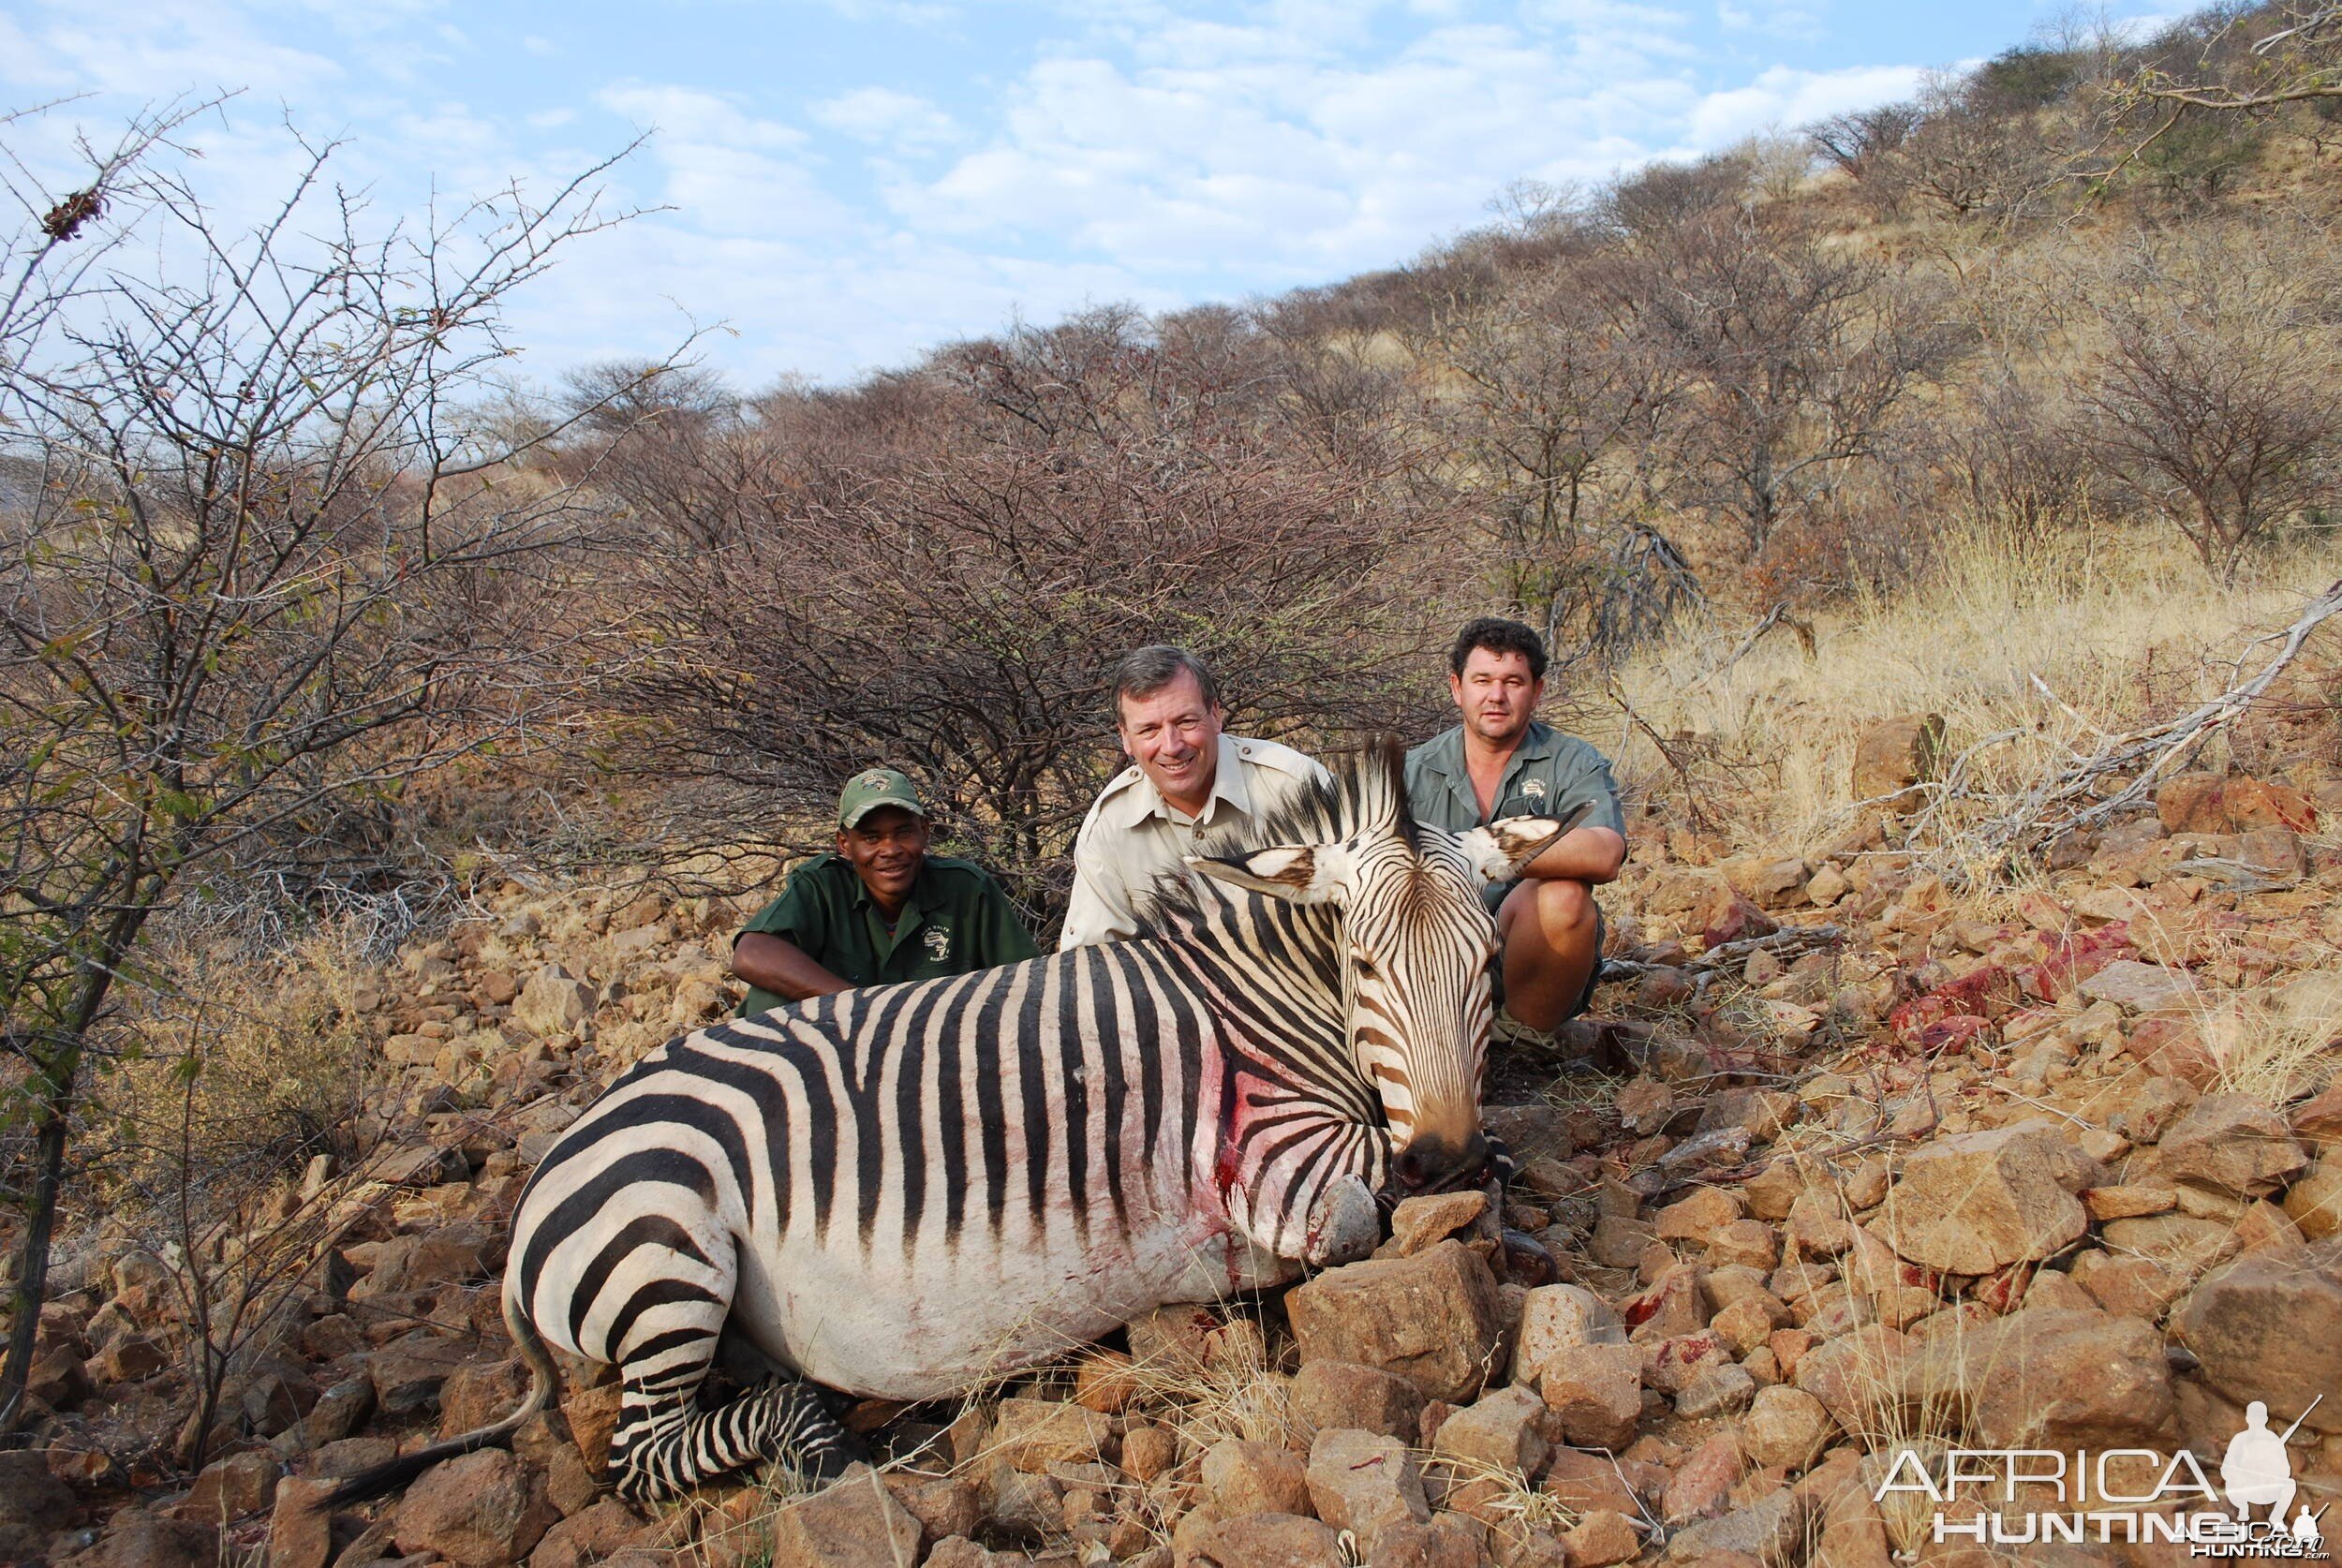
(1788, 98)
(881, 115)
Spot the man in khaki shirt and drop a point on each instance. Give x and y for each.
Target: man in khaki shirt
(1188, 780)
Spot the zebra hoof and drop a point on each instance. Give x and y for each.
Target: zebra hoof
(1346, 1226)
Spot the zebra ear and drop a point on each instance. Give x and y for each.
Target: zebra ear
(1303, 873)
(1502, 849)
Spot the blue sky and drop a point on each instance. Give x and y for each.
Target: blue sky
(851, 182)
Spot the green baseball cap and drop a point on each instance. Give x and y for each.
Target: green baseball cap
(872, 787)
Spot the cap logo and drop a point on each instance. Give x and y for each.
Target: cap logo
(873, 780)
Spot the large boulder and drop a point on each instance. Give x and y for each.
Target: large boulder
(2232, 1144)
(2269, 1327)
(1331, 1394)
(1363, 1483)
(1434, 1319)
(2061, 1379)
(853, 1522)
(481, 1510)
(1978, 1202)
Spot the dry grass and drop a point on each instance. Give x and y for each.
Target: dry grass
(2115, 624)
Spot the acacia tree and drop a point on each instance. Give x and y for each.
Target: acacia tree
(1794, 355)
(2215, 394)
(1553, 411)
(947, 561)
(259, 553)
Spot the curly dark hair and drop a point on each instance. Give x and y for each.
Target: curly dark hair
(1499, 636)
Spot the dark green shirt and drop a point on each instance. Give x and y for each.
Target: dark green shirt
(956, 920)
(1549, 775)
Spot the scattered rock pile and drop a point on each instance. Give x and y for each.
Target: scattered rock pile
(2053, 1172)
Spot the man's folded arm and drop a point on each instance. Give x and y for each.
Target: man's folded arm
(778, 965)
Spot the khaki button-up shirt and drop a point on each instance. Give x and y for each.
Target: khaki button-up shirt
(1133, 836)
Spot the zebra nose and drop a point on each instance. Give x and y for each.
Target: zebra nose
(1428, 1165)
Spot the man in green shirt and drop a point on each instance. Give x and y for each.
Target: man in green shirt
(877, 911)
(1500, 763)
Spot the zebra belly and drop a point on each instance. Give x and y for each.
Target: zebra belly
(861, 1325)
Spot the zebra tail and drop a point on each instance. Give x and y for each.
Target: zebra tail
(544, 1381)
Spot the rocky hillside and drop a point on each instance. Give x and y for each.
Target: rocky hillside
(1846, 1163)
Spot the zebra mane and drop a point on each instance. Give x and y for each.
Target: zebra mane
(1366, 793)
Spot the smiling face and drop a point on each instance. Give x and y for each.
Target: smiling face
(1496, 695)
(886, 847)
(1173, 734)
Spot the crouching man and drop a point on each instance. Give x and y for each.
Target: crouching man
(878, 910)
(1501, 762)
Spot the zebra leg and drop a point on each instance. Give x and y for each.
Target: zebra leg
(669, 1449)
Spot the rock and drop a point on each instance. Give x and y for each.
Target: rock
(1786, 1428)
(2208, 803)
(2127, 1202)
(1749, 1243)
(2318, 1119)
(2314, 1202)
(1555, 1318)
(1894, 754)
(1349, 1393)
(129, 1359)
(1433, 1319)
(1363, 1483)
(1105, 1382)
(1498, 1433)
(1769, 884)
(2177, 1241)
(1703, 1481)
(136, 1538)
(553, 1001)
(852, 1523)
(1977, 1202)
(1769, 1192)
(461, 1252)
(587, 1536)
(1264, 1541)
(944, 1505)
(2269, 1327)
(1242, 1477)
(2229, 1142)
(1695, 1218)
(230, 1489)
(479, 1511)
(1418, 1224)
(1595, 1392)
(1721, 1389)
(300, 1531)
(1031, 1435)
(1618, 1240)
(34, 1505)
(1445, 1541)
(1022, 1504)
(409, 1372)
(1602, 1538)
(1771, 1529)
(481, 1393)
(2133, 1287)
(2141, 987)
(2045, 1378)
(1148, 1450)
(1866, 1379)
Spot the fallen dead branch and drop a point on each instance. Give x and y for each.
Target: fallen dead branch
(2075, 796)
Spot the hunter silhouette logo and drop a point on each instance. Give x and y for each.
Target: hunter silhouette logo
(2097, 1497)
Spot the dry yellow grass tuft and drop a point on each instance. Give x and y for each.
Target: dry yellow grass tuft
(2114, 625)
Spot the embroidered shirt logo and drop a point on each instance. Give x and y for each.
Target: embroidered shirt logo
(1533, 787)
(939, 942)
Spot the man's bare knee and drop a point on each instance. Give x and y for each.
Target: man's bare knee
(1562, 903)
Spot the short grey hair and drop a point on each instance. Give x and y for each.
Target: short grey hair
(1144, 671)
